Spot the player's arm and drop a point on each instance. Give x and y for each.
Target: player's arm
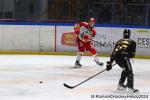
(77, 30)
(93, 32)
(109, 63)
(133, 49)
(115, 50)
(89, 37)
(112, 58)
(86, 38)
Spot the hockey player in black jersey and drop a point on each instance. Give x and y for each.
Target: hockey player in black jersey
(123, 51)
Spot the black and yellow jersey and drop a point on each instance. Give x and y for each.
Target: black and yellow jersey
(125, 46)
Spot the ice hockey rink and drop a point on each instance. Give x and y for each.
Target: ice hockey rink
(20, 77)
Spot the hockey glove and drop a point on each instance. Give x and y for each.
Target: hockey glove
(108, 66)
(87, 38)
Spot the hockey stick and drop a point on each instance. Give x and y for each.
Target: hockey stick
(132, 60)
(71, 87)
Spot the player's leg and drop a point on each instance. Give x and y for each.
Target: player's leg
(121, 86)
(81, 49)
(93, 51)
(130, 75)
(78, 59)
(97, 60)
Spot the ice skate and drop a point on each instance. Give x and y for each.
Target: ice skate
(133, 90)
(77, 65)
(121, 87)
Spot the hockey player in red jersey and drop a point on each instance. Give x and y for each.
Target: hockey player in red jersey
(85, 33)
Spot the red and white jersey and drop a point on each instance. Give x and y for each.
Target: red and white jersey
(85, 29)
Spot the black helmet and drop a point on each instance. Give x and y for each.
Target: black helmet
(126, 33)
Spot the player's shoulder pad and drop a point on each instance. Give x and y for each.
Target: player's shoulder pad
(133, 42)
(83, 24)
(120, 40)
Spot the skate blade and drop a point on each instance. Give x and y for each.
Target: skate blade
(135, 91)
(100, 64)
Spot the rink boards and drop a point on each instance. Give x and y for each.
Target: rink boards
(52, 37)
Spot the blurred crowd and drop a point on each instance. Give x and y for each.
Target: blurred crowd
(130, 12)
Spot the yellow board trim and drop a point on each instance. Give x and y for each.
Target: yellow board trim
(60, 53)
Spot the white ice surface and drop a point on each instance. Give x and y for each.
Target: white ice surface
(20, 77)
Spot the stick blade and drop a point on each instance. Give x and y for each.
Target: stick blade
(67, 86)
